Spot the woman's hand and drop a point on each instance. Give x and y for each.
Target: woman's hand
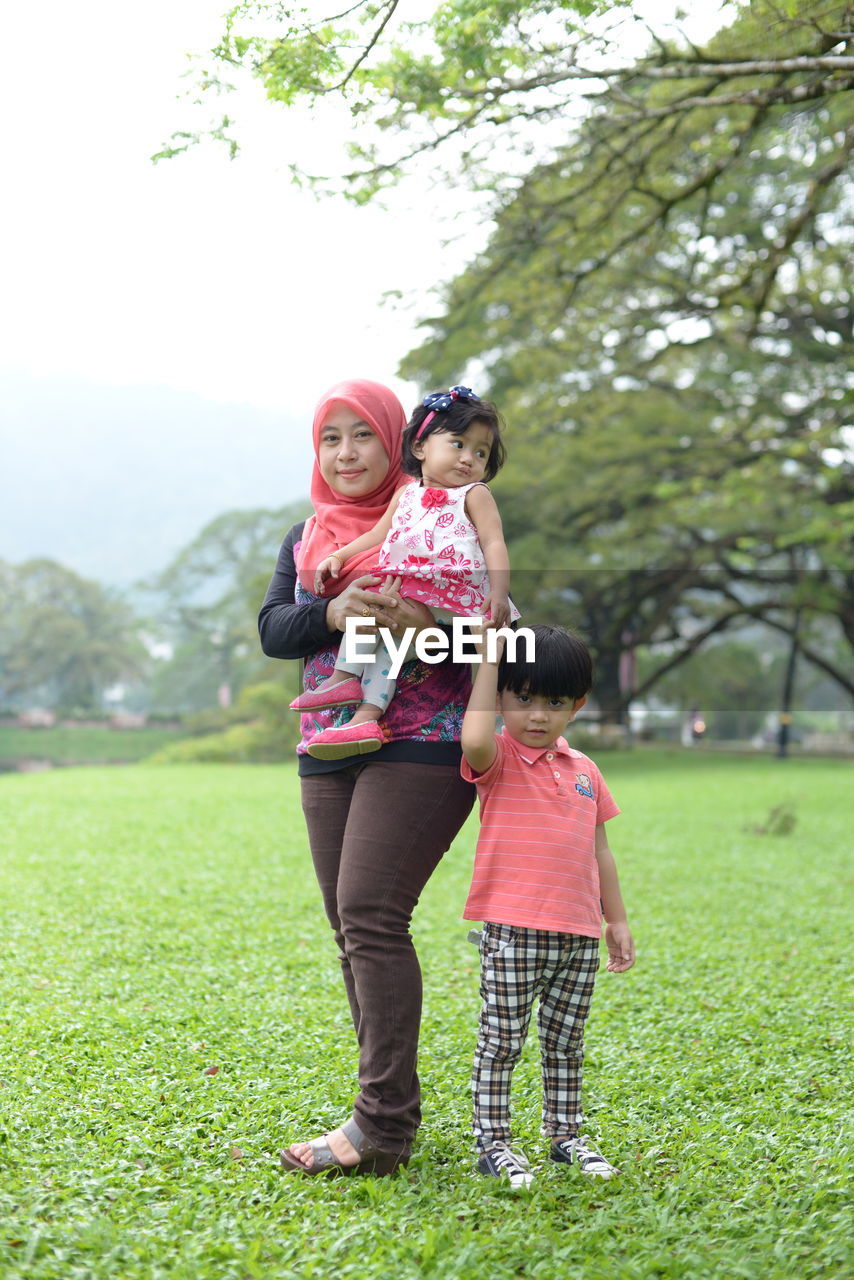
(409, 613)
(361, 599)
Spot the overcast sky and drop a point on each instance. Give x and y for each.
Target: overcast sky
(198, 273)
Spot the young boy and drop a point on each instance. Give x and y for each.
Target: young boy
(543, 878)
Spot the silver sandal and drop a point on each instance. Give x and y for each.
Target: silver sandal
(373, 1159)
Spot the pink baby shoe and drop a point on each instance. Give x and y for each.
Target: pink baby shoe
(328, 695)
(347, 740)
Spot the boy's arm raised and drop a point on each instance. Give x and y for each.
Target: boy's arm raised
(478, 734)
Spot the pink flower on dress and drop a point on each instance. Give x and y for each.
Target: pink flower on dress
(452, 559)
(434, 498)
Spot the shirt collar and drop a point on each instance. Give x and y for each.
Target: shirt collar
(532, 754)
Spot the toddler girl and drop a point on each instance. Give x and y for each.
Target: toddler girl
(441, 534)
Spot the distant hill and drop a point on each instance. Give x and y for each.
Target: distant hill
(113, 481)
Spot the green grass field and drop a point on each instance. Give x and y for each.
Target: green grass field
(72, 744)
(171, 1016)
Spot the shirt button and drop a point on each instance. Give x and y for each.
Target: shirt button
(557, 774)
(550, 756)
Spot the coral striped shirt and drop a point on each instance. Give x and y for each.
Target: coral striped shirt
(535, 864)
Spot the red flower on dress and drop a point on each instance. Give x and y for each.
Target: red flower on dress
(434, 498)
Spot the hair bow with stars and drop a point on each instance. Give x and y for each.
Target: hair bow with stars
(441, 401)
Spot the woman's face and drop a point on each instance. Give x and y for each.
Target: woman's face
(350, 454)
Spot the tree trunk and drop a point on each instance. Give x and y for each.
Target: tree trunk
(606, 687)
(788, 690)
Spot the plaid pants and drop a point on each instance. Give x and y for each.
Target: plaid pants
(517, 966)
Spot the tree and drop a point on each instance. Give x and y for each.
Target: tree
(472, 79)
(208, 600)
(734, 683)
(677, 371)
(662, 310)
(64, 640)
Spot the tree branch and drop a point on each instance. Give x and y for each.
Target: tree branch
(681, 69)
(691, 647)
(391, 6)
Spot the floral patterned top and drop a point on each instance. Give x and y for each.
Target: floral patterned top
(434, 546)
(424, 719)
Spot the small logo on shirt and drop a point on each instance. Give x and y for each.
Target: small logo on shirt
(583, 785)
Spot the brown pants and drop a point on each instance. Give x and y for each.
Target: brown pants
(377, 833)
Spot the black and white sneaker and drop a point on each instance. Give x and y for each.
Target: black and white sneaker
(581, 1151)
(501, 1162)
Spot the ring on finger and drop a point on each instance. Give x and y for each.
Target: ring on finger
(366, 612)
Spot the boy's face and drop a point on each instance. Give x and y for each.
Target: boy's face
(534, 720)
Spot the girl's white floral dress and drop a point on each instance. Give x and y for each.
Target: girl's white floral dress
(434, 547)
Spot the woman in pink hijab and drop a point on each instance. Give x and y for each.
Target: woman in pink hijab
(379, 824)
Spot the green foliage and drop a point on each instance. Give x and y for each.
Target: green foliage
(63, 638)
(241, 744)
(173, 1015)
(470, 73)
(264, 729)
(724, 678)
(663, 310)
(208, 600)
(463, 43)
(665, 319)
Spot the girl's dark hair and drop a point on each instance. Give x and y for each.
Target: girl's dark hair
(456, 421)
(561, 666)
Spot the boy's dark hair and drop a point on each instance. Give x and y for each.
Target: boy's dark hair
(561, 668)
(455, 421)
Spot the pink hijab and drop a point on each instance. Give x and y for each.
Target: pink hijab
(338, 520)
